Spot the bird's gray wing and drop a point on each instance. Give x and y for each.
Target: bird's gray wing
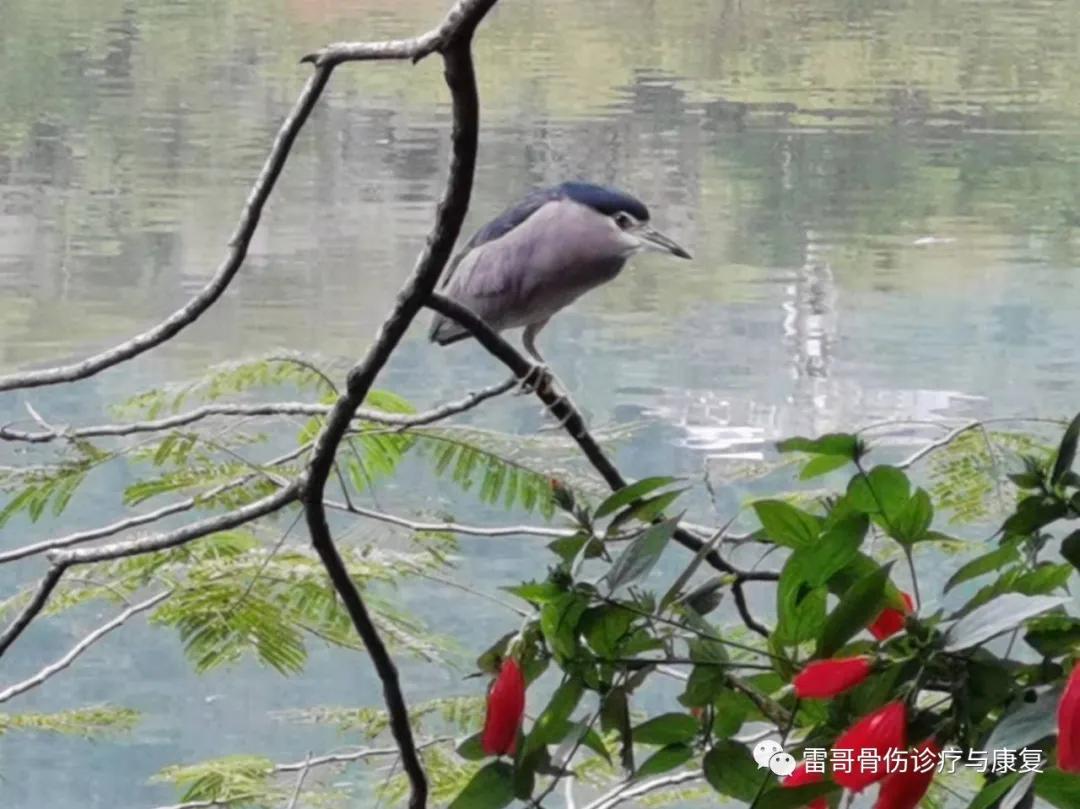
(473, 277)
(484, 282)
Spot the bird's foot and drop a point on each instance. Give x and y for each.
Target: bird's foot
(538, 378)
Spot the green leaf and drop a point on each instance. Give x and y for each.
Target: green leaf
(913, 521)
(492, 787)
(1070, 549)
(1005, 612)
(559, 622)
(786, 525)
(731, 771)
(703, 686)
(884, 490)
(471, 748)
(800, 607)
(638, 558)
(555, 717)
(835, 550)
(664, 760)
(843, 445)
(605, 627)
(628, 494)
(859, 606)
(990, 793)
(821, 465)
(1053, 635)
(666, 729)
(981, 565)
(615, 716)
(1060, 789)
(1066, 453)
(647, 510)
(1033, 513)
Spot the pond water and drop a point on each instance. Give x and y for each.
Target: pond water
(881, 198)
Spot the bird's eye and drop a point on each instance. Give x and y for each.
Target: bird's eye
(623, 220)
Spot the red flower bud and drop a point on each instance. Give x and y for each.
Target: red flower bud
(904, 790)
(1068, 717)
(827, 678)
(505, 709)
(883, 730)
(891, 620)
(800, 777)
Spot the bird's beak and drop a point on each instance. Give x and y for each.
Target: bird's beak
(658, 241)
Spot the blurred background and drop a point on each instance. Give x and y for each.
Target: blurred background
(881, 198)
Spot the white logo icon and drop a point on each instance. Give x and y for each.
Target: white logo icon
(770, 755)
(782, 764)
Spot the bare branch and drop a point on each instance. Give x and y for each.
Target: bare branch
(630, 790)
(453, 39)
(80, 537)
(567, 414)
(256, 409)
(80, 647)
(454, 527)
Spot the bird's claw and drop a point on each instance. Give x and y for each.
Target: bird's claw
(538, 378)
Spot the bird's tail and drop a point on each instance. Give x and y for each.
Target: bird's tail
(445, 331)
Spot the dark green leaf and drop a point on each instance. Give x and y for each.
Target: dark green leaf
(490, 788)
(605, 627)
(731, 771)
(1060, 789)
(638, 558)
(629, 494)
(615, 716)
(538, 593)
(1005, 612)
(786, 525)
(471, 748)
(1070, 549)
(989, 794)
(664, 760)
(704, 685)
(859, 606)
(1066, 453)
(666, 729)
(1033, 513)
(646, 510)
(559, 621)
(1053, 635)
(843, 445)
(981, 565)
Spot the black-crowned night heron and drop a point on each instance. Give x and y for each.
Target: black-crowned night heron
(542, 254)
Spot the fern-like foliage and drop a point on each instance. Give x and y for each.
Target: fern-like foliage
(969, 474)
(236, 780)
(90, 723)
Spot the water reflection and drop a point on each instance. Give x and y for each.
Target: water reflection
(881, 198)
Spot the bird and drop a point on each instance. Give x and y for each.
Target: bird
(543, 253)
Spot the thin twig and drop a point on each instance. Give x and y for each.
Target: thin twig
(630, 790)
(80, 647)
(454, 527)
(401, 420)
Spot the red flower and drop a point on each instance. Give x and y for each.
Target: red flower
(883, 730)
(891, 620)
(827, 678)
(800, 777)
(505, 709)
(1068, 716)
(904, 790)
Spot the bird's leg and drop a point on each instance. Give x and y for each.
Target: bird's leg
(540, 376)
